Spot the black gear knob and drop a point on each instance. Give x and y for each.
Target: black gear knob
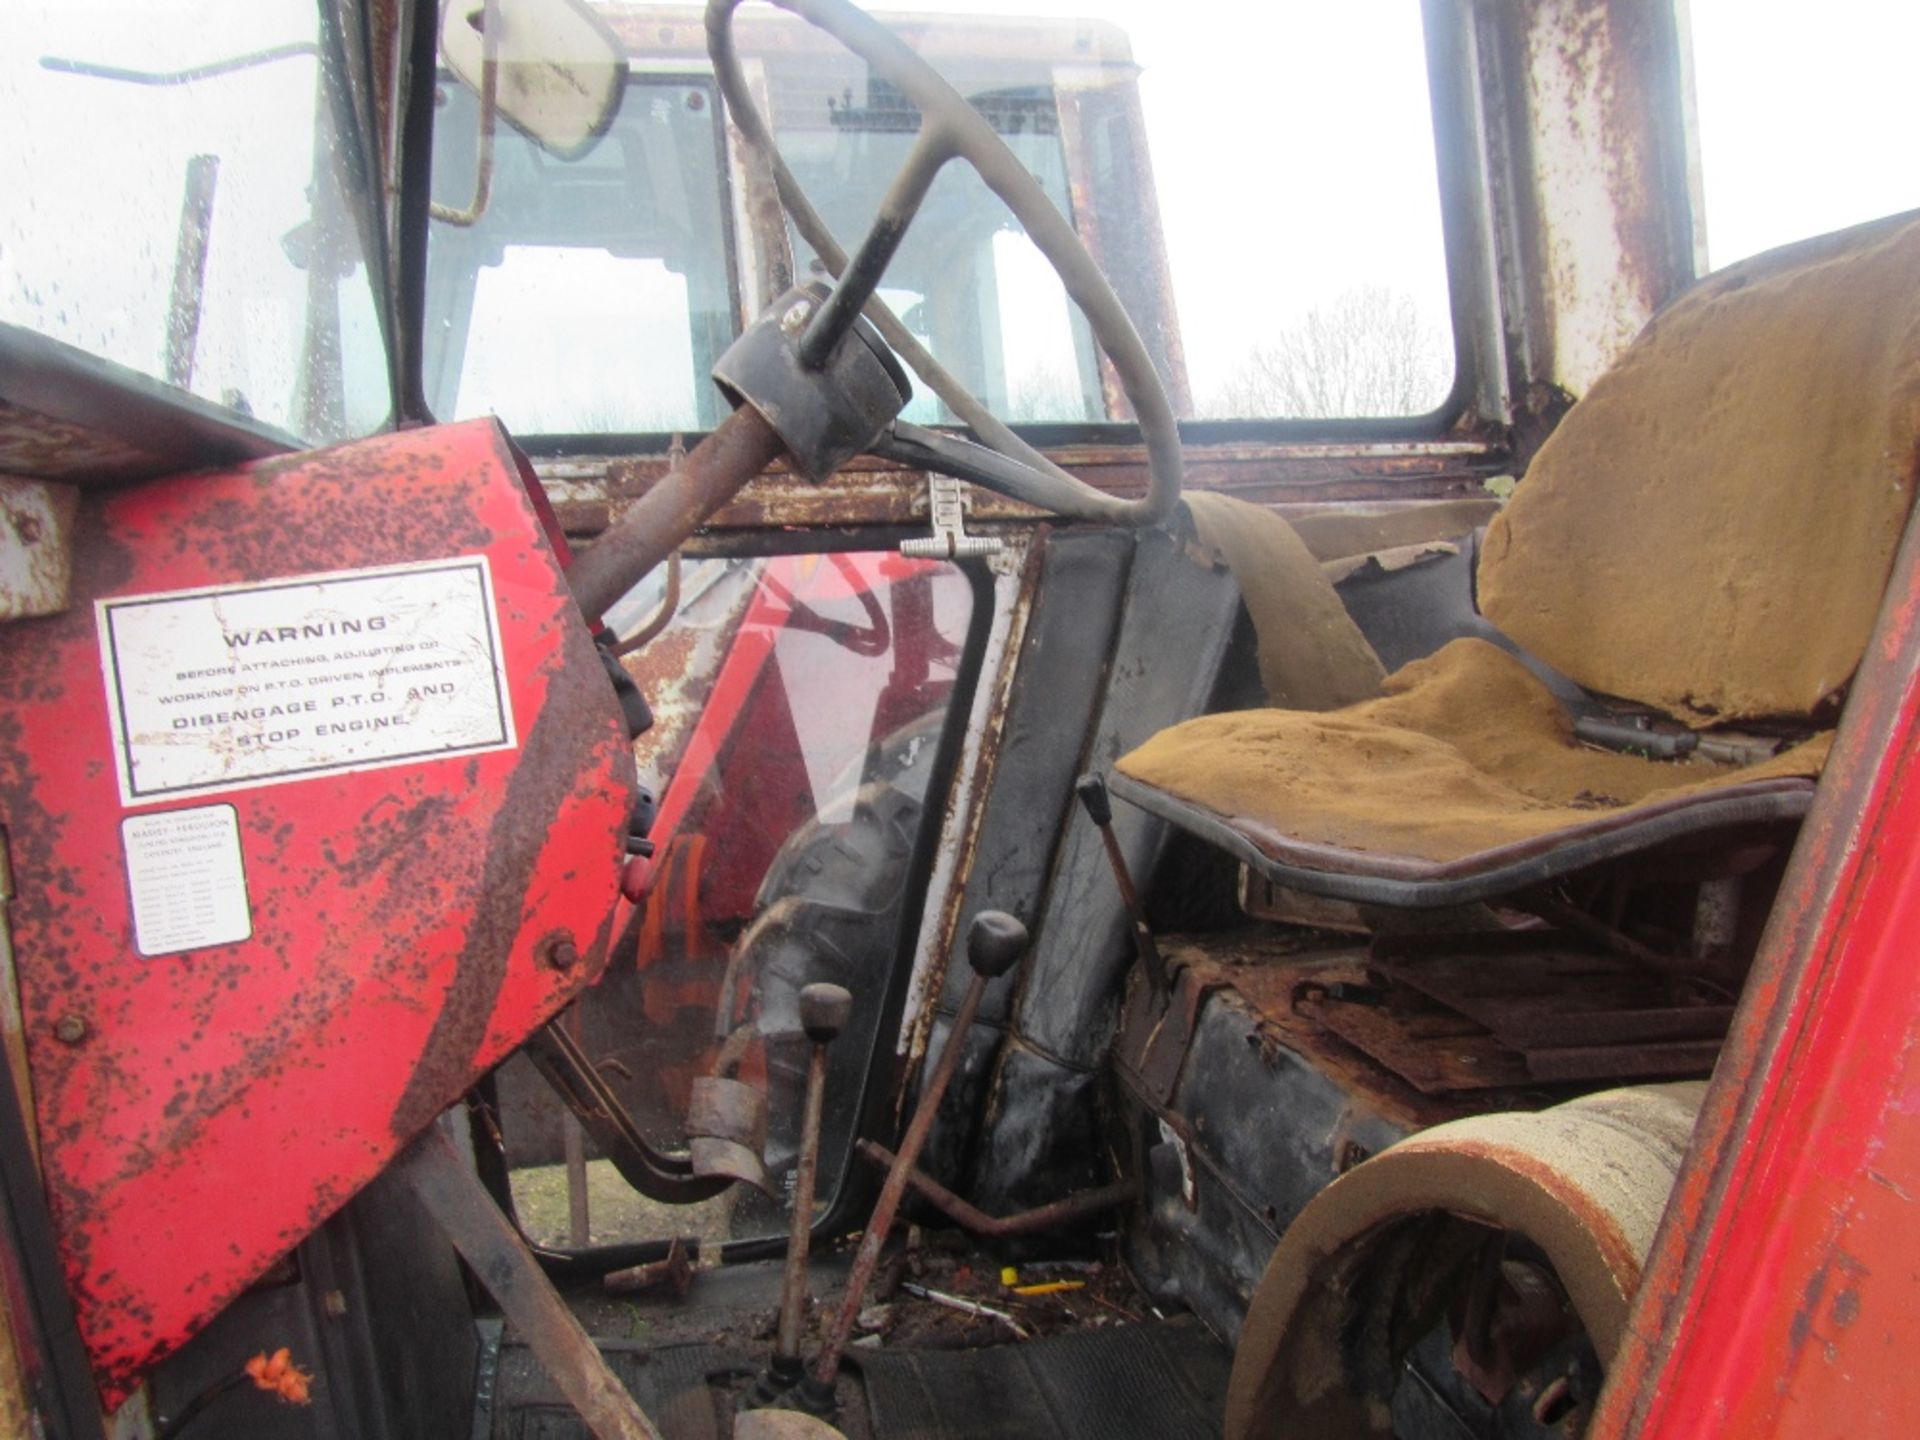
(995, 943)
(1092, 790)
(824, 1011)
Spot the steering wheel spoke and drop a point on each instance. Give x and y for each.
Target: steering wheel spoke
(833, 344)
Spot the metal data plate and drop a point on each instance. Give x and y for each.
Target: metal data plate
(301, 794)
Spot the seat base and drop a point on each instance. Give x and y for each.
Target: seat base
(1462, 783)
(1404, 882)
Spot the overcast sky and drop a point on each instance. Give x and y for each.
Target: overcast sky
(1809, 116)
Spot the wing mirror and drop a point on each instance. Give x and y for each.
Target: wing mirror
(553, 68)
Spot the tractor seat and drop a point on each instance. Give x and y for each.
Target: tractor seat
(1705, 539)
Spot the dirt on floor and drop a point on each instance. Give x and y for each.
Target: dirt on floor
(934, 1290)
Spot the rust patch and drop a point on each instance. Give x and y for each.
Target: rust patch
(547, 772)
(36, 538)
(37, 444)
(869, 492)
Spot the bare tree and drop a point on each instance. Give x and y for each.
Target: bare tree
(1368, 351)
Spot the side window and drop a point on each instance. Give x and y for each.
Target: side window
(179, 202)
(1806, 118)
(800, 707)
(1293, 158)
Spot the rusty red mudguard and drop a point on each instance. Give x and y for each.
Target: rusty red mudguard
(313, 797)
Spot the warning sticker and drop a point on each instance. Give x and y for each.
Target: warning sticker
(243, 685)
(187, 879)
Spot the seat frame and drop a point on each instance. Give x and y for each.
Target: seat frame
(1405, 882)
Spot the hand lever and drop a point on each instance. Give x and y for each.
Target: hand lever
(824, 1011)
(995, 943)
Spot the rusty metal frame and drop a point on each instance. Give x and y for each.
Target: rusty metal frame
(1525, 331)
(590, 491)
(1016, 587)
(1779, 1290)
(1473, 211)
(1584, 122)
(1068, 1210)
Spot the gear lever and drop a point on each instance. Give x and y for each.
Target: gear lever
(995, 943)
(824, 1011)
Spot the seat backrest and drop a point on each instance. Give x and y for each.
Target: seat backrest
(1711, 527)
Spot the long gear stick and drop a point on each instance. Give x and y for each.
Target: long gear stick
(824, 1012)
(995, 943)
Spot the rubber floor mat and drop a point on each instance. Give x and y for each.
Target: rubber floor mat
(676, 1385)
(1163, 1381)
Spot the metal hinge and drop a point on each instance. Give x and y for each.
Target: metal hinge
(947, 504)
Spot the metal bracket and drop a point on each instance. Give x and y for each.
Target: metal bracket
(947, 507)
(660, 1176)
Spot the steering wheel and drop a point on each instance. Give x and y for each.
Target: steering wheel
(951, 128)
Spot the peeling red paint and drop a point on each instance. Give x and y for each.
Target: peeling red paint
(225, 1101)
(1779, 1293)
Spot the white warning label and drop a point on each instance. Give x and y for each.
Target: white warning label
(187, 879)
(243, 685)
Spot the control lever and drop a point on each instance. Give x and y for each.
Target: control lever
(824, 1012)
(995, 943)
(1092, 790)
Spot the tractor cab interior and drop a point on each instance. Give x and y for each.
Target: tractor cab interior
(871, 840)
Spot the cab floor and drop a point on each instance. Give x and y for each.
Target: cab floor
(690, 1364)
(1164, 1379)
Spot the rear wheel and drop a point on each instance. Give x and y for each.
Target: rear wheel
(831, 909)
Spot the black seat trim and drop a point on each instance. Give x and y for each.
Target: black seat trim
(1404, 882)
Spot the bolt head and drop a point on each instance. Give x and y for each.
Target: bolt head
(70, 1029)
(559, 952)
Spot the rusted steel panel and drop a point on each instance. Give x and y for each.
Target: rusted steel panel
(589, 492)
(38, 444)
(36, 546)
(1780, 1292)
(201, 1110)
(1605, 224)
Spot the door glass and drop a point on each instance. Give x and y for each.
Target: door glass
(180, 200)
(1259, 184)
(799, 706)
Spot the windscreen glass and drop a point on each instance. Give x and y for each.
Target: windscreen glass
(1259, 184)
